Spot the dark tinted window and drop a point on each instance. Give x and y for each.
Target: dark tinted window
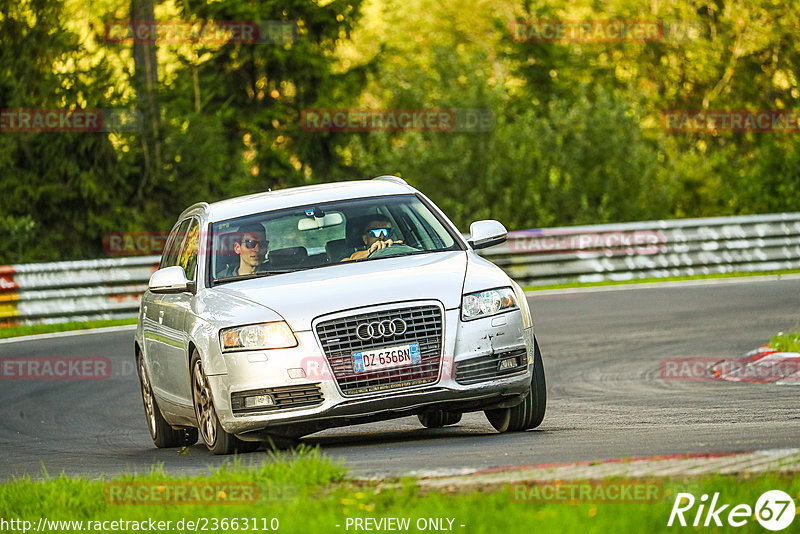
(188, 255)
(171, 251)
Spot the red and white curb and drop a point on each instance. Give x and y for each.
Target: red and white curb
(678, 465)
(764, 365)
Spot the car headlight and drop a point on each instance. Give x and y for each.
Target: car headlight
(275, 335)
(487, 303)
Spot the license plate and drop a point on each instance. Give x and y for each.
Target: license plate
(386, 358)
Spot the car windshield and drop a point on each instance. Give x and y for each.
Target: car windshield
(306, 237)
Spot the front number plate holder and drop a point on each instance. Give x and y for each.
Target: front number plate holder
(386, 358)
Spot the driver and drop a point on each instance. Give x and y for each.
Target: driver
(376, 236)
(250, 244)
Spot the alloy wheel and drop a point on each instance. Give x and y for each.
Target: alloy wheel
(204, 405)
(147, 395)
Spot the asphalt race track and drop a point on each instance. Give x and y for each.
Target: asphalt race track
(606, 399)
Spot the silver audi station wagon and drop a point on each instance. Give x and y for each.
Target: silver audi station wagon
(280, 314)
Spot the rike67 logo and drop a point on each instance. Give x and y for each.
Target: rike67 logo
(774, 510)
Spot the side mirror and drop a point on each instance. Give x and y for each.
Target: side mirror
(483, 234)
(170, 280)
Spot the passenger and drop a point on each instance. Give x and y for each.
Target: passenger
(376, 236)
(250, 244)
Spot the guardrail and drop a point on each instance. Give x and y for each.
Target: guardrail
(63, 291)
(111, 288)
(655, 249)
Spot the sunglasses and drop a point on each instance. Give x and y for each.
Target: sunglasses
(253, 243)
(380, 232)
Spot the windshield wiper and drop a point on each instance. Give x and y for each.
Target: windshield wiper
(399, 254)
(259, 274)
(407, 254)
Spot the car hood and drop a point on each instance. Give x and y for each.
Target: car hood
(303, 295)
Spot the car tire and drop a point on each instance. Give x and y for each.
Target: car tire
(438, 418)
(216, 439)
(530, 412)
(164, 436)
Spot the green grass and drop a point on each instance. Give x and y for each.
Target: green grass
(321, 497)
(788, 342)
(15, 331)
(570, 285)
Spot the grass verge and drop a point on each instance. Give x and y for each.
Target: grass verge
(570, 285)
(313, 495)
(786, 342)
(29, 330)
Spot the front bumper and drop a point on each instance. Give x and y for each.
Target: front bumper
(309, 397)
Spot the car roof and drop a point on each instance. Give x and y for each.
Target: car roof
(298, 196)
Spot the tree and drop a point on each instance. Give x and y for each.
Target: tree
(145, 81)
(61, 190)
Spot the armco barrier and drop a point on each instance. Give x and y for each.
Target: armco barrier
(654, 249)
(53, 292)
(73, 290)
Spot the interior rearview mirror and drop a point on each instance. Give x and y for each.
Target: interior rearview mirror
(315, 223)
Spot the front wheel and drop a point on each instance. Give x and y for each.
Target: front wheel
(164, 436)
(530, 412)
(216, 439)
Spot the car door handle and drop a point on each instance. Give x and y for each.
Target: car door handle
(161, 317)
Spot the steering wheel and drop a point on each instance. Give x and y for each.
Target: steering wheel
(393, 250)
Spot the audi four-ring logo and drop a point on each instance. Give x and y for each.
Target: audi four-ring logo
(379, 329)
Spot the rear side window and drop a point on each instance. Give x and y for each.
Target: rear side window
(188, 255)
(174, 242)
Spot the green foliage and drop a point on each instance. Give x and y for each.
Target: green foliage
(251, 97)
(576, 136)
(553, 157)
(323, 500)
(65, 187)
(15, 233)
(47, 328)
(786, 342)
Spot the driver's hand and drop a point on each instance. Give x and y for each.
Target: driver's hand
(380, 245)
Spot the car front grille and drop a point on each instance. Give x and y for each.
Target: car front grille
(488, 367)
(339, 342)
(304, 395)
